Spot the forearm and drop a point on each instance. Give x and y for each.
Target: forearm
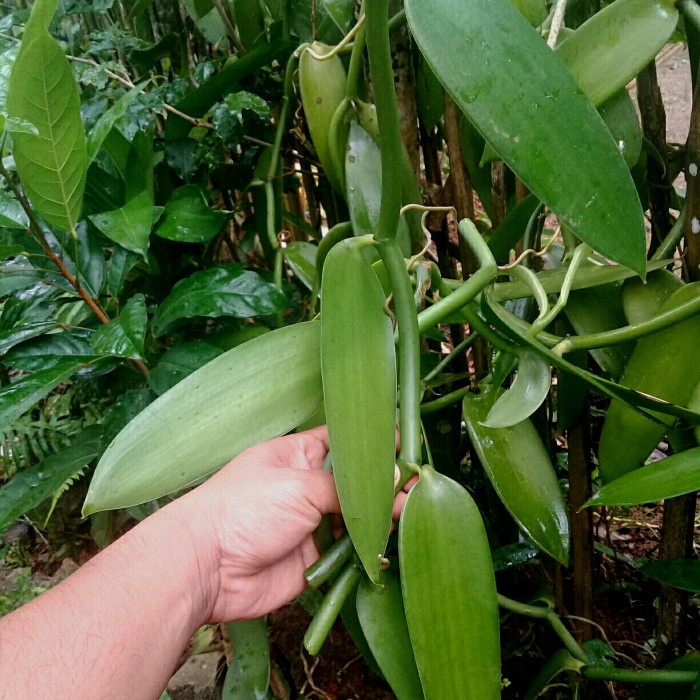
(117, 627)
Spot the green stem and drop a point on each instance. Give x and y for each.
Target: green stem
(629, 675)
(444, 401)
(628, 333)
(390, 145)
(466, 292)
(552, 618)
(690, 11)
(461, 347)
(526, 275)
(332, 561)
(356, 59)
(674, 236)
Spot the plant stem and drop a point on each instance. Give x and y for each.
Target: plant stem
(35, 229)
(355, 68)
(628, 675)
(669, 244)
(454, 353)
(547, 614)
(387, 229)
(466, 292)
(444, 401)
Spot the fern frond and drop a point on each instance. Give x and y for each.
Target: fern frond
(62, 489)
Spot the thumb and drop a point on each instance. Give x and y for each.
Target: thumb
(321, 492)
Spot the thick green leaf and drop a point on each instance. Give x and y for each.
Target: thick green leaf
(518, 465)
(608, 50)
(52, 163)
(523, 101)
(449, 591)
(28, 488)
(248, 675)
(257, 391)
(363, 180)
(560, 661)
(124, 336)
(250, 21)
(179, 362)
(359, 388)
(620, 116)
(680, 573)
(301, 258)
(641, 301)
(341, 12)
(535, 11)
(26, 331)
(91, 266)
(226, 290)
(383, 620)
(22, 394)
(131, 225)
(188, 218)
(667, 478)
(525, 396)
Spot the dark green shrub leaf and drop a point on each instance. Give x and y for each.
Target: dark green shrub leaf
(131, 225)
(179, 362)
(681, 573)
(188, 218)
(124, 336)
(226, 290)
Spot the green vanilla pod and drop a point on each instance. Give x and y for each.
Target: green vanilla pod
(663, 365)
(358, 366)
(322, 88)
(449, 591)
(520, 470)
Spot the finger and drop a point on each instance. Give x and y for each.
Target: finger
(410, 484)
(321, 492)
(314, 442)
(399, 502)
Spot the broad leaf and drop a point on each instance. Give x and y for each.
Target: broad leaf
(523, 100)
(680, 573)
(25, 331)
(188, 218)
(11, 213)
(673, 476)
(29, 488)
(53, 162)
(301, 258)
(257, 391)
(131, 225)
(179, 362)
(51, 349)
(120, 265)
(22, 394)
(226, 290)
(124, 336)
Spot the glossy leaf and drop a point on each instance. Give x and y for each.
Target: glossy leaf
(360, 397)
(52, 163)
(179, 362)
(363, 180)
(608, 50)
(188, 218)
(248, 674)
(383, 620)
(342, 12)
(30, 487)
(620, 116)
(124, 336)
(257, 391)
(120, 265)
(520, 470)
(662, 365)
(673, 476)
(641, 301)
(523, 100)
(225, 290)
(525, 396)
(301, 258)
(59, 347)
(23, 393)
(90, 263)
(130, 225)
(23, 332)
(680, 573)
(11, 213)
(449, 591)
(105, 123)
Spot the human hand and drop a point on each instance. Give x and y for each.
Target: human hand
(263, 508)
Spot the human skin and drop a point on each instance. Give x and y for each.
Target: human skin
(234, 548)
